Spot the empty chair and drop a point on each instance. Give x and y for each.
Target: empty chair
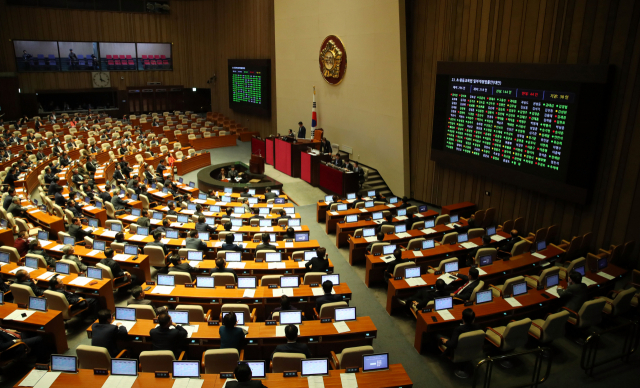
(564, 272)
(14, 256)
(509, 337)
(286, 362)
(21, 293)
(545, 331)
(327, 309)
(534, 280)
(349, 357)
(249, 316)
(313, 277)
(442, 265)
(196, 313)
(181, 278)
(57, 301)
(92, 357)
(475, 233)
(414, 244)
(590, 314)
(143, 311)
(469, 348)
(157, 360)
(215, 361)
(482, 252)
(267, 280)
(449, 238)
(156, 256)
(520, 247)
(507, 287)
(620, 303)
(443, 219)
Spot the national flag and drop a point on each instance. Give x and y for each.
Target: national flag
(314, 117)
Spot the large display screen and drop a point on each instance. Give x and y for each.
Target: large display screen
(534, 126)
(250, 86)
(36, 55)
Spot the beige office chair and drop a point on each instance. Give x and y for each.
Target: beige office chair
(547, 330)
(117, 282)
(485, 252)
(14, 256)
(42, 263)
(387, 229)
(156, 256)
(534, 280)
(620, 303)
(443, 219)
(349, 357)
(157, 360)
(73, 266)
(475, 233)
(249, 316)
(21, 293)
(108, 223)
(506, 338)
(399, 269)
(520, 247)
(415, 244)
(590, 314)
(564, 272)
(196, 313)
(506, 288)
(118, 247)
(184, 252)
(261, 254)
(215, 361)
(181, 278)
(449, 238)
(469, 348)
(442, 265)
(378, 247)
(327, 309)
(57, 301)
(223, 278)
(418, 225)
(143, 311)
(282, 362)
(267, 280)
(95, 357)
(313, 277)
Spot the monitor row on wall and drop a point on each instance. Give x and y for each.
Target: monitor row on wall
(53, 56)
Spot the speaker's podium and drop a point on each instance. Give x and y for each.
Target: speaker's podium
(256, 164)
(287, 154)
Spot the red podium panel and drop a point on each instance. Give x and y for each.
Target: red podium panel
(258, 147)
(283, 156)
(270, 151)
(305, 166)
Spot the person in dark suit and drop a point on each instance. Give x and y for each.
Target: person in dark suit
(138, 298)
(74, 208)
(292, 345)
(105, 196)
(228, 244)
(424, 295)
(285, 305)
(116, 271)
(486, 243)
(16, 209)
(116, 201)
(118, 176)
(172, 209)
(221, 268)
(328, 297)
(232, 172)
(144, 220)
(76, 302)
(265, 243)
(40, 154)
(106, 335)
(471, 282)
(325, 146)
(245, 193)
(76, 231)
(23, 278)
(230, 335)
(168, 336)
(391, 266)
(268, 194)
(243, 375)
(319, 263)
(302, 131)
(9, 198)
(379, 237)
(574, 296)
(49, 176)
(180, 264)
(468, 317)
(507, 246)
(11, 178)
(471, 223)
(35, 345)
(202, 226)
(194, 242)
(359, 171)
(337, 161)
(157, 237)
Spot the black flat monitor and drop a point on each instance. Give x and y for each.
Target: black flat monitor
(375, 362)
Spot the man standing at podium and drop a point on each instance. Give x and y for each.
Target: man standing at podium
(302, 131)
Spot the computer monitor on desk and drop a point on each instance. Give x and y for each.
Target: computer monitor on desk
(444, 303)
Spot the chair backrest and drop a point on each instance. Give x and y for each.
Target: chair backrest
(261, 254)
(196, 313)
(220, 360)
(313, 277)
(387, 229)
(73, 266)
(14, 256)
(416, 243)
(235, 307)
(156, 256)
(57, 301)
(552, 234)
(286, 362)
(518, 224)
(622, 302)
(419, 225)
(590, 313)
(91, 357)
(552, 270)
(449, 238)
(352, 357)
(378, 247)
(553, 326)
(515, 334)
(520, 247)
(143, 311)
(327, 309)
(541, 235)
(573, 264)
(156, 360)
(475, 233)
(399, 269)
(486, 252)
(21, 293)
(469, 346)
(573, 250)
(106, 271)
(475, 290)
(181, 278)
(443, 219)
(586, 243)
(442, 264)
(489, 216)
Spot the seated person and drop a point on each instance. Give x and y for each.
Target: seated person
(168, 336)
(22, 243)
(138, 298)
(328, 297)
(116, 271)
(424, 295)
(576, 293)
(202, 226)
(228, 243)
(318, 263)
(243, 375)
(391, 266)
(194, 242)
(221, 268)
(76, 231)
(157, 241)
(68, 254)
(75, 302)
(35, 345)
(285, 305)
(265, 243)
(468, 318)
(471, 223)
(24, 278)
(164, 227)
(144, 220)
(290, 234)
(106, 335)
(471, 282)
(180, 264)
(379, 237)
(230, 335)
(507, 245)
(36, 249)
(387, 221)
(292, 345)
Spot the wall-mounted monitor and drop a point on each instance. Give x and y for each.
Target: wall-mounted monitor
(154, 56)
(36, 55)
(250, 86)
(117, 56)
(79, 56)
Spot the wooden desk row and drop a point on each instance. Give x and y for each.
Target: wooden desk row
(49, 324)
(333, 217)
(395, 377)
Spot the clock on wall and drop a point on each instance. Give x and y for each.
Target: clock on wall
(101, 79)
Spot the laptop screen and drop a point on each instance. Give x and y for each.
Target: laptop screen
(484, 296)
(252, 191)
(443, 303)
(491, 230)
(345, 314)
(375, 362)
(273, 257)
(371, 193)
(290, 210)
(209, 220)
(192, 184)
(94, 273)
(236, 222)
(291, 317)
(39, 304)
(602, 263)
(179, 317)
(191, 206)
(181, 180)
(205, 282)
(485, 260)
(116, 228)
(308, 255)
(400, 228)
(376, 216)
(451, 267)
(453, 217)
(368, 232)
(124, 367)
(237, 237)
(289, 281)
(368, 204)
(552, 280)
(194, 255)
(62, 268)
(4, 257)
(541, 245)
(136, 212)
(238, 210)
(429, 223)
(388, 249)
(263, 210)
(43, 235)
(204, 236)
(94, 223)
(265, 223)
(294, 222)
(233, 256)
(393, 200)
(341, 207)
(143, 231)
(225, 199)
(315, 367)
(328, 198)
(157, 215)
(31, 262)
(202, 196)
(413, 272)
(353, 218)
(462, 237)
(183, 219)
(579, 269)
(333, 278)
(130, 249)
(69, 240)
(428, 244)
(247, 282)
(228, 190)
(125, 314)
(258, 369)
(214, 209)
(172, 234)
(302, 236)
(166, 280)
(402, 212)
(186, 369)
(64, 363)
(519, 288)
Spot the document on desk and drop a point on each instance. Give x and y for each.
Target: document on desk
(414, 282)
(137, 237)
(276, 265)
(46, 275)
(128, 324)
(496, 237)
(188, 212)
(44, 243)
(417, 254)
(280, 330)
(16, 315)
(47, 380)
(297, 228)
(282, 291)
(58, 248)
(120, 382)
(588, 281)
(166, 290)
(315, 381)
(605, 275)
(266, 229)
(348, 380)
(189, 383)
(109, 233)
(513, 302)
(121, 257)
(165, 240)
(236, 265)
(553, 291)
(391, 205)
(371, 239)
(333, 213)
(450, 226)
(341, 327)
(387, 259)
(481, 271)
(249, 293)
(301, 264)
(130, 218)
(190, 329)
(288, 245)
(318, 291)
(226, 381)
(428, 231)
(538, 255)
(15, 270)
(33, 211)
(445, 314)
(401, 218)
(33, 378)
(93, 253)
(469, 245)
(448, 278)
(403, 235)
(363, 210)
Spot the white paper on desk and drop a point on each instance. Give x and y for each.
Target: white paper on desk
(371, 239)
(341, 327)
(445, 314)
(198, 201)
(513, 302)
(469, 245)
(418, 215)
(588, 281)
(401, 218)
(288, 245)
(221, 203)
(280, 330)
(496, 237)
(538, 255)
(128, 324)
(403, 235)
(137, 237)
(236, 265)
(236, 215)
(417, 254)
(162, 290)
(32, 378)
(553, 291)
(301, 264)
(174, 224)
(414, 282)
(297, 228)
(190, 329)
(80, 281)
(195, 383)
(387, 259)
(266, 229)
(218, 244)
(93, 253)
(276, 265)
(46, 275)
(47, 380)
(605, 275)
(188, 212)
(348, 380)
(44, 243)
(277, 292)
(333, 213)
(318, 291)
(153, 221)
(130, 218)
(165, 240)
(121, 257)
(166, 208)
(16, 315)
(351, 200)
(363, 210)
(226, 381)
(450, 225)
(33, 211)
(194, 264)
(208, 213)
(428, 231)
(58, 248)
(391, 205)
(481, 271)
(109, 233)
(249, 293)
(88, 208)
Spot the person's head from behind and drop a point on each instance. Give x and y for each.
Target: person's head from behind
(473, 274)
(108, 253)
(486, 239)
(514, 233)
(220, 263)
(388, 217)
(201, 219)
(227, 226)
(164, 320)
(137, 292)
(397, 254)
(230, 319)
(157, 235)
(321, 252)
(440, 284)
(22, 275)
(291, 332)
(284, 302)
(468, 316)
(380, 236)
(242, 372)
(471, 222)
(228, 239)
(193, 234)
(327, 286)
(119, 237)
(104, 316)
(55, 283)
(266, 238)
(575, 277)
